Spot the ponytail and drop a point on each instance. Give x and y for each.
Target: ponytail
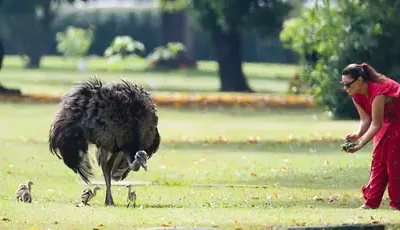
(370, 74)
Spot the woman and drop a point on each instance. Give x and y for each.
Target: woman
(377, 99)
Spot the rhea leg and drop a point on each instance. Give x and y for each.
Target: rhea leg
(107, 179)
(106, 164)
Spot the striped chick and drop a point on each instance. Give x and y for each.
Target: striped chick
(131, 196)
(87, 194)
(24, 192)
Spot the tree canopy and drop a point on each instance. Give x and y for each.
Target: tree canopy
(349, 31)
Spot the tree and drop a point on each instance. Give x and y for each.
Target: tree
(349, 31)
(226, 21)
(175, 26)
(45, 14)
(30, 23)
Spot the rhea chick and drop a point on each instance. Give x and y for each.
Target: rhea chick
(131, 196)
(24, 192)
(87, 194)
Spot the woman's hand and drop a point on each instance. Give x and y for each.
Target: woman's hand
(353, 137)
(355, 148)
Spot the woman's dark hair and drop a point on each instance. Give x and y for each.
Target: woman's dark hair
(367, 72)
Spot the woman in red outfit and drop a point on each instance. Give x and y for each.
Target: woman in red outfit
(377, 99)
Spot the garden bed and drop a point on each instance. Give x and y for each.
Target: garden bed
(179, 100)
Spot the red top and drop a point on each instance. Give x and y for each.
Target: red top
(392, 109)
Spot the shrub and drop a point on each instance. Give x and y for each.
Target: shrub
(171, 56)
(74, 42)
(121, 48)
(329, 37)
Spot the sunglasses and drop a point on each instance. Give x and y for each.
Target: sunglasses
(348, 84)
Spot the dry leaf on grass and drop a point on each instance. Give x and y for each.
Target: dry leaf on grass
(169, 224)
(318, 198)
(5, 219)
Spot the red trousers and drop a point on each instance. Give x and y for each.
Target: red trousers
(385, 171)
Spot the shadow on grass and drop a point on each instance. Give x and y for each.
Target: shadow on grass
(168, 89)
(321, 147)
(333, 178)
(183, 73)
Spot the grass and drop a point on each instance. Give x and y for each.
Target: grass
(57, 75)
(193, 182)
(264, 183)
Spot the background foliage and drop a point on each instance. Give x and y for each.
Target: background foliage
(346, 32)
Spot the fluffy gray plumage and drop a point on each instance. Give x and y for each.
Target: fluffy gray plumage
(119, 118)
(87, 194)
(24, 193)
(131, 196)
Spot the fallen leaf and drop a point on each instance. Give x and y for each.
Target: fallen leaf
(253, 174)
(235, 221)
(169, 224)
(254, 197)
(293, 221)
(55, 222)
(8, 172)
(332, 199)
(317, 198)
(203, 159)
(5, 219)
(100, 225)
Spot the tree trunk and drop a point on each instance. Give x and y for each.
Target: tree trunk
(35, 55)
(176, 28)
(36, 48)
(229, 57)
(2, 53)
(4, 90)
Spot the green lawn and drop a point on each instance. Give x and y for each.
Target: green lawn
(259, 184)
(57, 75)
(233, 185)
